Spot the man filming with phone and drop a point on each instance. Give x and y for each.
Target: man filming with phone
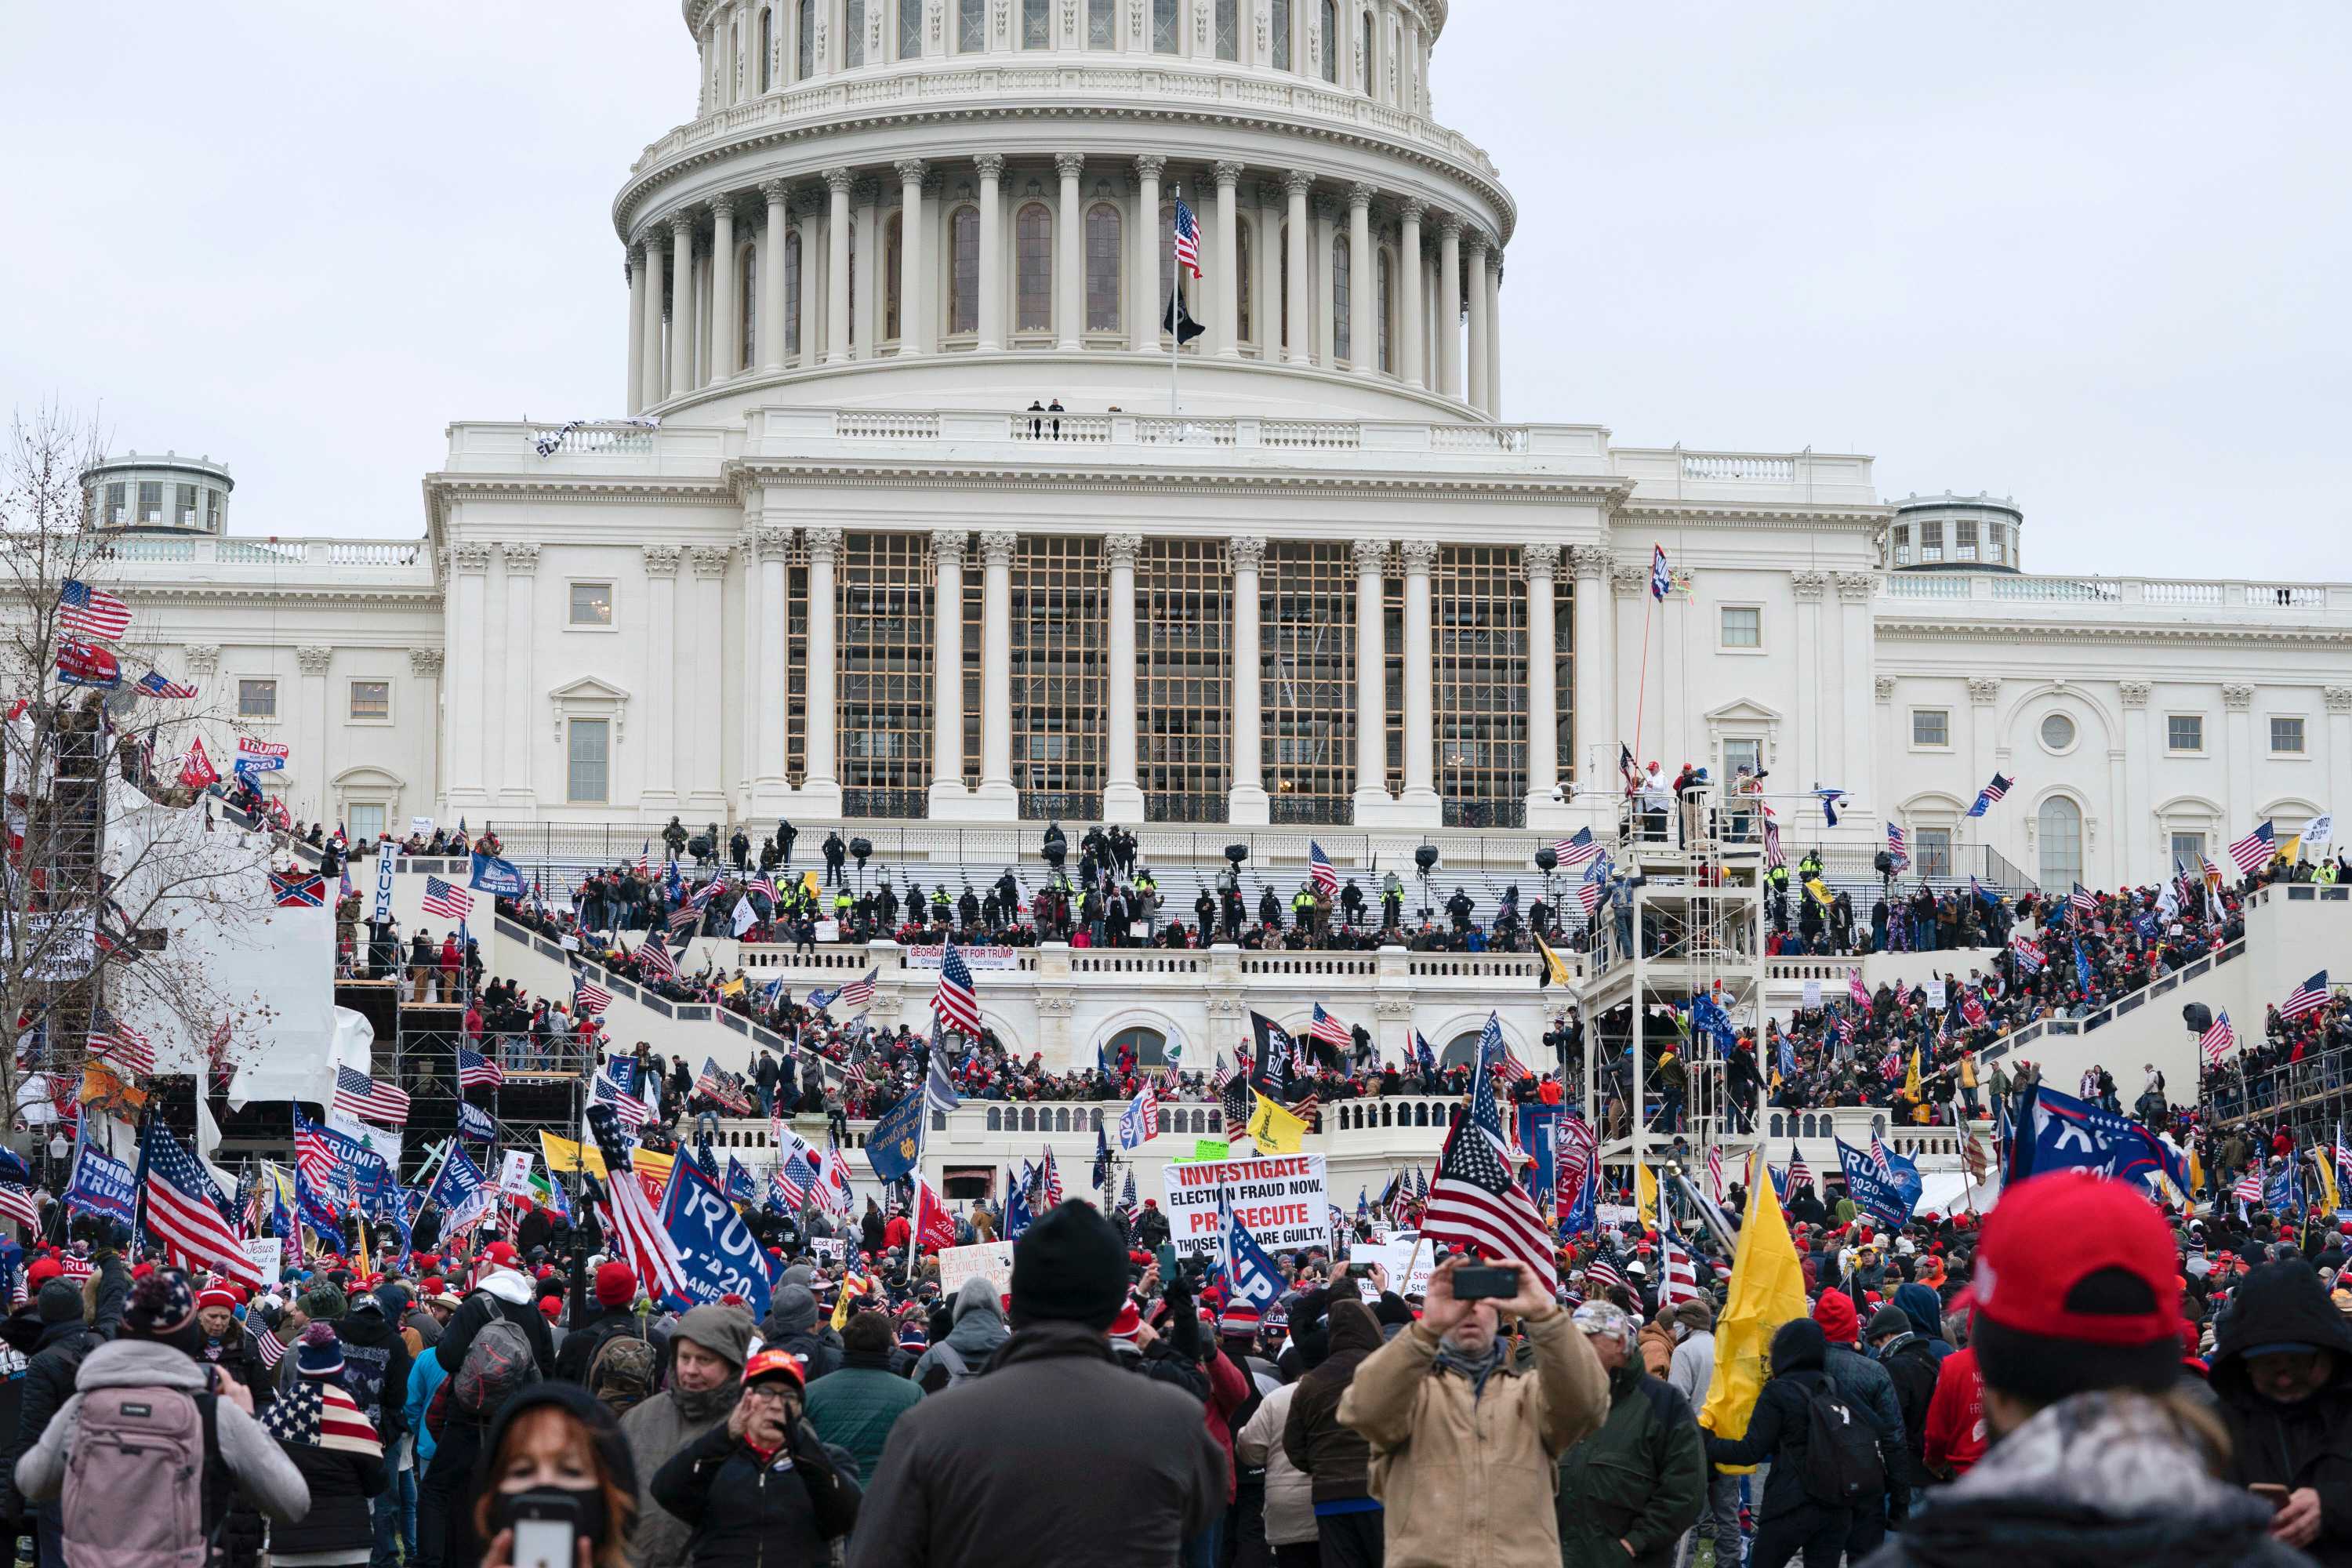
(1465, 1438)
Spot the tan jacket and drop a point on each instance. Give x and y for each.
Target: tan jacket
(1657, 1343)
(1468, 1483)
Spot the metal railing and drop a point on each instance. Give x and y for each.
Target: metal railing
(2130, 1001)
(1061, 805)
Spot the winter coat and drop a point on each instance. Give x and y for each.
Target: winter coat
(1694, 1367)
(579, 1349)
(375, 1371)
(1926, 1310)
(1289, 1496)
(1779, 1429)
(1466, 1475)
(756, 1511)
(1640, 1479)
(791, 1325)
(979, 1331)
(1335, 1455)
(1863, 1384)
(1910, 1365)
(1056, 1455)
(855, 1407)
(663, 1427)
(340, 1518)
(2308, 1443)
(1657, 1345)
(48, 1383)
(265, 1475)
(2103, 1478)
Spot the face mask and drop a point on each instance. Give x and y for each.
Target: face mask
(588, 1501)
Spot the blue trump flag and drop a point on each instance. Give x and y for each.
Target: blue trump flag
(1888, 1200)
(473, 1122)
(1252, 1275)
(460, 1192)
(497, 877)
(1016, 1204)
(741, 1187)
(2064, 1134)
(100, 1185)
(898, 1138)
(717, 1253)
(1534, 1129)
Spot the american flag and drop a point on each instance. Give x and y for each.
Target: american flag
(1800, 1173)
(721, 1087)
(1187, 239)
(1595, 883)
(2029, 954)
(2218, 1037)
(1513, 1069)
(477, 1070)
(1878, 1159)
(321, 1412)
(17, 1203)
(2308, 997)
(316, 1158)
(1846, 1028)
(356, 1094)
(2255, 850)
(684, 917)
(154, 685)
(2082, 900)
(2249, 1189)
(644, 857)
(1890, 1066)
(1714, 1171)
(589, 998)
(87, 612)
(1574, 852)
(631, 1111)
(791, 1183)
(629, 1213)
(1236, 1102)
(1990, 793)
(1127, 1202)
(955, 1003)
(765, 887)
(185, 1210)
(1473, 1202)
(1774, 856)
(1678, 1275)
(1897, 848)
(1327, 1027)
(832, 1191)
(1604, 1273)
(121, 1044)
(653, 958)
(444, 900)
(1049, 1179)
(1319, 872)
(858, 993)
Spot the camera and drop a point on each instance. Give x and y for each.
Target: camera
(1482, 1283)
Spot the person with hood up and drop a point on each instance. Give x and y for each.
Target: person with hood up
(791, 1324)
(2103, 1454)
(320, 1424)
(2282, 1373)
(160, 1338)
(1629, 1489)
(978, 1330)
(857, 1406)
(553, 1443)
(1335, 1456)
(1789, 1521)
(1058, 1454)
(1910, 1365)
(761, 1488)
(1867, 1389)
(375, 1369)
(707, 1351)
(1926, 1310)
(1692, 1374)
(48, 1383)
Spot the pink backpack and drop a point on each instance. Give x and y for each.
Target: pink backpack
(135, 1487)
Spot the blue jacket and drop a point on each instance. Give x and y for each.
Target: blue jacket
(424, 1375)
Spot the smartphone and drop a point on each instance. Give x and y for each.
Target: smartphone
(1473, 1284)
(2270, 1492)
(546, 1532)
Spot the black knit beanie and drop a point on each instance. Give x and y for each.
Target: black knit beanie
(1069, 1267)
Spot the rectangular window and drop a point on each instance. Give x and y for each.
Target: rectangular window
(1163, 27)
(1037, 24)
(1229, 33)
(1931, 727)
(1964, 539)
(364, 822)
(211, 510)
(371, 700)
(2184, 732)
(852, 41)
(1743, 625)
(1931, 542)
(116, 503)
(910, 29)
(2188, 852)
(256, 699)
(1101, 23)
(150, 501)
(591, 603)
(187, 506)
(588, 770)
(1931, 852)
(1742, 752)
(2286, 733)
(1281, 39)
(971, 28)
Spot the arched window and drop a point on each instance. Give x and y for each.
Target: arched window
(792, 292)
(1028, 1118)
(1776, 1124)
(910, 29)
(963, 282)
(1343, 342)
(892, 270)
(1364, 53)
(1281, 34)
(1163, 27)
(1330, 63)
(852, 35)
(1383, 298)
(1103, 255)
(807, 60)
(2060, 825)
(1062, 1119)
(747, 306)
(996, 1120)
(1037, 24)
(1151, 1046)
(1460, 1051)
(1229, 30)
(767, 49)
(1387, 1116)
(1033, 268)
(1245, 274)
(971, 27)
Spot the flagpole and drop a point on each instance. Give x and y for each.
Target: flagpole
(1175, 293)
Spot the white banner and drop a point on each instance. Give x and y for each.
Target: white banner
(384, 858)
(514, 1173)
(1284, 1200)
(384, 1142)
(828, 1248)
(975, 958)
(989, 1260)
(264, 1251)
(1395, 1255)
(421, 826)
(1812, 996)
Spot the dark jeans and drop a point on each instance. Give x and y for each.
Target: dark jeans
(1868, 1529)
(1299, 1554)
(1819, 1533)
(52, 1519)
(394, 1509)
(1354, 1540)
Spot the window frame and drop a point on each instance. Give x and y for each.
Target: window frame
(1944, 715)
(245, 717)
(1931, 850)
(1723, 628)
(572, 723)
(2073, 732)
(2173, 749)
(1115, 274)
(1040, 265)
(2301, 750)
(2042, 841)
(352, 715)
(1037, 24)
(572, 586)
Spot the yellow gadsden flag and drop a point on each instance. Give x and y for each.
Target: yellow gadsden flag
(1550, 970)
(564, 1156)
(1911, 1077)
(1645, 1197)
(1274, 1130)
(1767, 1290)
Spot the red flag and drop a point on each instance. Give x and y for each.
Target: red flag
(934, 1227)
(196, 769)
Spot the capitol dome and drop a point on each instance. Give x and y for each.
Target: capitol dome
(928, 204)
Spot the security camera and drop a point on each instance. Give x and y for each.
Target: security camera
(1559, 794)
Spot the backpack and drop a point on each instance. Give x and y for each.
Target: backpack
(146, 1486)
(959, 1371)
(497, 1364)
(1842, 1462)
(620, 1374)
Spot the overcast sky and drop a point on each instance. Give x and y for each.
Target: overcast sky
(2093, 256)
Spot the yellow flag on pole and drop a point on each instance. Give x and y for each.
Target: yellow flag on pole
(2321, 1156)
(1645, 1197)
(1767, 1290)
(1911, 1079)
(564, 1156)
(1274, 1130)
(1552, 970)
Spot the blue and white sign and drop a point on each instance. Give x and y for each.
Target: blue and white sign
(460, 1192)
(1890, 1202)
(386, 852)
(497, 877)
(717, 1253)
(101, 1186)
(473, 1122)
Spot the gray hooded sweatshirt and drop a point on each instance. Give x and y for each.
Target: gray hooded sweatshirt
(979, 1318)
(672, 1419)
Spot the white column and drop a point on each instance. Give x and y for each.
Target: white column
(1858, 654)
(1363, 284)
(1481, 341)
(1408, 273)
(469, 565)
(1321, 294)
(991, 251)
(836, 275)
(515, 673)
(810, 306)
(2237, 703)
(914, 299)
(820, 787)
(633, 396)
(662, 779)
(768, 783)
(1372, 676)
(1069, 256)
(1122, 795)
(1812, 764)
(1143, 335)
(948, 796)
(1224, 327)
(1494, 296)
(2144, 853)
(2339, 747)
(1300, 348)
(1249, 804)
(310, 721)
(699, 683)
(681, 324)
(1539, 560)
(866, 304)
(739, 756)
(1449, 306)
(999, 794)
(1265, 288)
(657, 379)
(770, 357)
(1420, 685)
(1593, 718)
(726, 321)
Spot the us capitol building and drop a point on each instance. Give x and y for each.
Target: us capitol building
(831, 565)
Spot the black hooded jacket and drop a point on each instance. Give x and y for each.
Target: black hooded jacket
(1779, 1429)
(2306, 1444)
(1336, 1458)
(611, 1450)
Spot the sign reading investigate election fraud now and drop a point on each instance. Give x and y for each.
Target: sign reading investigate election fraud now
(1283, 1201)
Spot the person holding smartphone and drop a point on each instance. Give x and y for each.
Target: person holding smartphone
(762, 1488)
(1464, 1438)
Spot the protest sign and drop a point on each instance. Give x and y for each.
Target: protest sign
(1395, 1255)
(514, 1173)
(975, 958)
(1812, 996)
(1212, 1148)
(265, 1252)
(1284, 1200)
(101, 1186)
(385, 1141)
(384, 855)
(991, 1260)
(828, 1248)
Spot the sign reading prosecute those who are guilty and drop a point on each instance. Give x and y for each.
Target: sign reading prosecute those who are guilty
(1283, 1201)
